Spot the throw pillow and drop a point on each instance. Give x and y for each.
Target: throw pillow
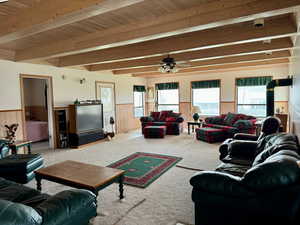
(231, 118)
(171, 119)
(163, 115)
(174, 114)
(155, 115)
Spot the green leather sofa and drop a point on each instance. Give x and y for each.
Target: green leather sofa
(21, 205)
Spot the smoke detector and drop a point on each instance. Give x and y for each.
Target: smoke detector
(259, 23)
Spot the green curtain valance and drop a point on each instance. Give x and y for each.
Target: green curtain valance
(166, 86)
(206, 84)
(253, 81)
(139, 88)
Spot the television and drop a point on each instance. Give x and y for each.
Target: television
(89, 118)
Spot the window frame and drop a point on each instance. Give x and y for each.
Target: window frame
(156, 97)
(236, 95)
(143, 105)
(220, 94)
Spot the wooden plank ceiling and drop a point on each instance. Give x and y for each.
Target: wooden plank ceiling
(133, 36)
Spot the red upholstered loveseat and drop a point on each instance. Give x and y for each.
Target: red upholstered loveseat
(173, 121)
(232, 123)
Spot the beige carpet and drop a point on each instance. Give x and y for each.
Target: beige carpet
(166, 201)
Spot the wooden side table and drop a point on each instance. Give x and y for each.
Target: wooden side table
(193, 124)
(19, 144)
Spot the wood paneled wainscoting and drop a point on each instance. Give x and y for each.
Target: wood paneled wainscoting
(8, 117)
(150, 107)
(227, 106)
(125, 118)
(185, 110)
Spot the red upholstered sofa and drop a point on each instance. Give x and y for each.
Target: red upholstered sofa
(231, 124)
(173, 121)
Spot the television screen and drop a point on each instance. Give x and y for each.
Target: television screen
(89, 118)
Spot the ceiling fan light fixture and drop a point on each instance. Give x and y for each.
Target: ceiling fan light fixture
(168, 65)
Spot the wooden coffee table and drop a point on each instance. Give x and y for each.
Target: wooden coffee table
(81, 175)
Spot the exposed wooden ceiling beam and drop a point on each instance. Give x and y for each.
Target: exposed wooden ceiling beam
(216, 37)
(219, 61)
(216, 68)
(47, 15)
(205, 16)
(7, 54)
(239, 49)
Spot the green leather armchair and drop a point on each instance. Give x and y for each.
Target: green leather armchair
(21, 205)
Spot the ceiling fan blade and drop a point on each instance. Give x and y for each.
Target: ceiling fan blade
(183, 65)
(3, 1)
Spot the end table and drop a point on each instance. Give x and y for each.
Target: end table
(193, 124)
(19, 144)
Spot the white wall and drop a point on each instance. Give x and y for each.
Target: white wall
(227, 82)
(65, 91)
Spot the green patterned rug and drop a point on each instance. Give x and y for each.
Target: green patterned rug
(144, 168)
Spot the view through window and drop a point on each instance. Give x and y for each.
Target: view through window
(139, 109)
(252, 100)
(168, 100)
(208, 100)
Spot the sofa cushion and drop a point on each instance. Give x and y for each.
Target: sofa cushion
(277, 172)
(174, 114)
(171, 119)
(163, 115)
(214, 120)
(155, 115)
(231, 118)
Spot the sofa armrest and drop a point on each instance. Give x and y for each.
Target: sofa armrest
(179, 119)
(67, 205)
(242, 149)
(144, 119)
(245, 137)
(218, 183)
(15, 214)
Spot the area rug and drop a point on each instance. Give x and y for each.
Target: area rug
(144, 168)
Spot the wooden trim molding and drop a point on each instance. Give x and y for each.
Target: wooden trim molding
(11, 110)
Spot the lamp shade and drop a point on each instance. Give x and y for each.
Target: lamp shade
(196, 109)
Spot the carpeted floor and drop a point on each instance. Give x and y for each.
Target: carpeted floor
(166, 201)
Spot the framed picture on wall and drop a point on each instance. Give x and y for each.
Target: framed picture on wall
(150, 93)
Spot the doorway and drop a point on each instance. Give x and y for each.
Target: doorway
(37, 109)
(105, 91)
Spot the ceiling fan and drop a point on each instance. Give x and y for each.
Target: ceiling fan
(169, 65)
(3, 1)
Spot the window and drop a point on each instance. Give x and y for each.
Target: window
(251, 96)
(206, 95)
(252, 100)
(167, 97)
(139, 100)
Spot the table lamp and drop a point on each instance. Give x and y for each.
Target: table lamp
(195, 111)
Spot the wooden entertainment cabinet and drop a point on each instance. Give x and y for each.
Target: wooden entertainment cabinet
(80, 120)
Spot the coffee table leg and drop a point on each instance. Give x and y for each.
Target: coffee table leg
(121, 186)
(38, 183)
(188, 128)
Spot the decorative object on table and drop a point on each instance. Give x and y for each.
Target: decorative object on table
(76, 102)
(144, 168)
(112, 122)
(11, 132)
(195, 111)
